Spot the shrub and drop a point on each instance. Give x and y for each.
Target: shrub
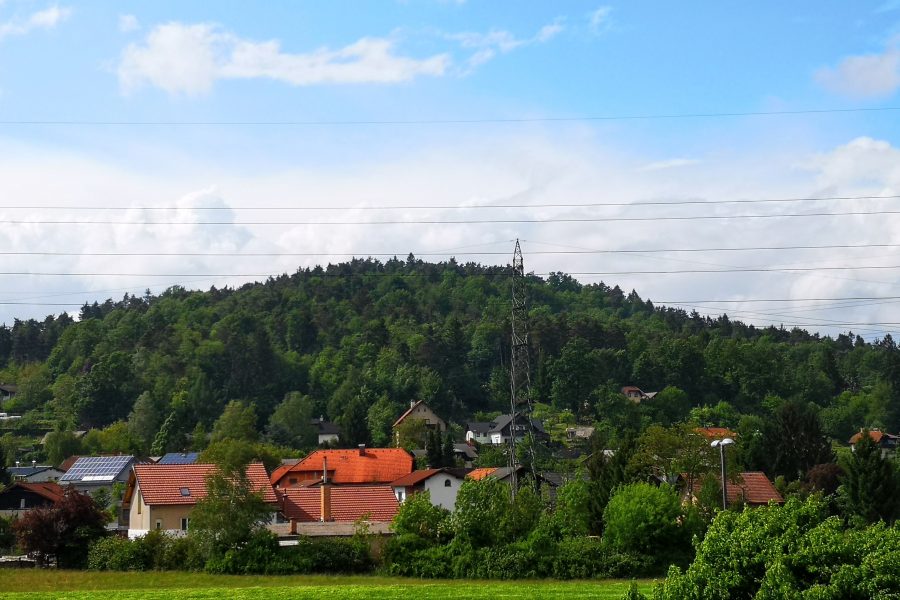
(645, 519)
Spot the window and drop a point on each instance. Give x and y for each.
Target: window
(158, 524)
(185, 491)
(447, 483)
(184, 523)
(292, 481)
(22, 503)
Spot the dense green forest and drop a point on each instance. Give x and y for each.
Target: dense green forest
(355, 342)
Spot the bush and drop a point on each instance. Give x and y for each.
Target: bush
(261, 555)
(645, 519)
(789, 551)
(154, 551)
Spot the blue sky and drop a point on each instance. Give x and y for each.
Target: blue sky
(448, 60)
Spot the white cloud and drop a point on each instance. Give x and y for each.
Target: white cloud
(128, 23)
(478, 168)
(43, 19)
(486, 46)
(598, 20)
(672, 163)
(189, 59)
(865, 75)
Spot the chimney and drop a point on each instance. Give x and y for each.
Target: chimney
(362, 449)
(33, 464)
(412, 403)
(325, 502)
(17, 464)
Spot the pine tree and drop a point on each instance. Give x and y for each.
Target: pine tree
(448, 456)
(870, 485)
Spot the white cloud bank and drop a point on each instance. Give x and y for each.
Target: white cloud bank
(476, 170)
(43, 19)
(864, 75)
(189, 59)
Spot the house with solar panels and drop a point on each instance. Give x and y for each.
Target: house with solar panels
(178, 458)
(90, 473)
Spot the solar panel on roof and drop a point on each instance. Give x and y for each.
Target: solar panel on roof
(96, 468)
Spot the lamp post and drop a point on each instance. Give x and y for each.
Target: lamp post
(721, 445)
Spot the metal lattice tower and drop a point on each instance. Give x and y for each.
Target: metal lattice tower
(519, 365)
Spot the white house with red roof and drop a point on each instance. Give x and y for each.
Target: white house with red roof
(441, 484)
(161, 497)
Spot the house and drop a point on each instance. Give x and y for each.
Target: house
(162, 497)
(327, 431)
(504, 474)
(332, 510)
(443, 485)
(90, 473)
(886, 441)
(7, 392)
(579, 433)
(636, 394)
(35, 473)
(478, 431)
(178, 458)
(752, 488)
(419, 410)
(22, 496)
(502, 429)
(466, 453)
(361, 466)
(716, 433)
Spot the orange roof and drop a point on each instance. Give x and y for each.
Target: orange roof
(715, 433)
(49, 490)
(479, 474)
(373, 465)
(415, 477)
(348, 503)
(186, 484)
(875, 434)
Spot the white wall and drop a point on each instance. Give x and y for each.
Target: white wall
(441, 494)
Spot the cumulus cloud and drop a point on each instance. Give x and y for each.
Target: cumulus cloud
(865, 75)
(43, 19)
(189, 59)
(128, 23)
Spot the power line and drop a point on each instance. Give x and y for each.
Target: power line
(473, 121)
(448, 252)
(450, 206)
(734, 301)
(455, 222)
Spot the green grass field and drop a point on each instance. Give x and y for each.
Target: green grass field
(26, 584)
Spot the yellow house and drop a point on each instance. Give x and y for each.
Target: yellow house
(419, 410)
(162, 497)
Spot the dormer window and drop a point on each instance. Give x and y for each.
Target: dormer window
(185, 492)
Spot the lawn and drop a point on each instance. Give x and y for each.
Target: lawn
(26, 584)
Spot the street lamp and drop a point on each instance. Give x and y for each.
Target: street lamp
(721, 445)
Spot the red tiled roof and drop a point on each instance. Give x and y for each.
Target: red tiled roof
(479, 474)
(415, 477)
(716, 433)
(753, 488)
(67, 464)
(875, 434)
(49, 490)
(374, 465)
(162, 484)
(348, 503)
(406, 414)
(278, 473)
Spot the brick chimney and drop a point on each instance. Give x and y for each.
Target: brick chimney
(325, 494)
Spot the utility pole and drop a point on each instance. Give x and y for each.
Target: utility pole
(519, 367)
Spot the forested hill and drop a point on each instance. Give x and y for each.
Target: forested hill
(361, 339)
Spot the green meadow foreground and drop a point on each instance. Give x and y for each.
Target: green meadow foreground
(28, 583)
